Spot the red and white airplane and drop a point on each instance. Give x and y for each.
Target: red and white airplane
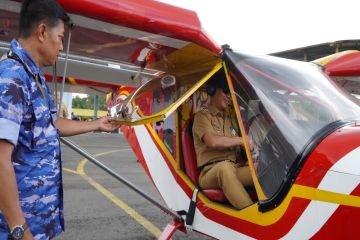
(306, 130)
(344, 68)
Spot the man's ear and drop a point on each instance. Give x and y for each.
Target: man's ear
(41, 32)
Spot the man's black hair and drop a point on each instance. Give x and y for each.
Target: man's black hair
(35, 11)
(218, 80)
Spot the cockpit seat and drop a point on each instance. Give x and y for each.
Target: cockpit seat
(191, 169)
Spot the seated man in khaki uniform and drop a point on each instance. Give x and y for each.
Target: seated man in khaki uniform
(215, 141)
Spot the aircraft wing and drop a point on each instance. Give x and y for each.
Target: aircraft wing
(113, 40)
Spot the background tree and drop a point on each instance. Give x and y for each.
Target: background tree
(88, 102)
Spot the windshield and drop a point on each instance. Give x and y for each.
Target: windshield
(283, 105)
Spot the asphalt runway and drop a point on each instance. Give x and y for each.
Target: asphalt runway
(97, 206)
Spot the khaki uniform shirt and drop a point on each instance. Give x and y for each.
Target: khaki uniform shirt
(210, 120)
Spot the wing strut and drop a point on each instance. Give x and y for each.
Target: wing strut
(176, 223)
(54, 85)
(65, 68)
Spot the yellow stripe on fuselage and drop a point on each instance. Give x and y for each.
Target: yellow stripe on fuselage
(252, 214)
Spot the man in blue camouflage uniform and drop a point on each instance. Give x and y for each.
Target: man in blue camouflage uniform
(31, 194)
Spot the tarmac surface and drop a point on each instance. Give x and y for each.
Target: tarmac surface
(98, 206)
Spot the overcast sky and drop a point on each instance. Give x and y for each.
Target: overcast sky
(264, 26)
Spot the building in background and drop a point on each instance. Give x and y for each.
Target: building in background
(317, 51)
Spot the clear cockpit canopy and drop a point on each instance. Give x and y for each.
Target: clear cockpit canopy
(284, 104)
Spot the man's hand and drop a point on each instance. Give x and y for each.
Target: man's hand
(71, 127)
(107, 124)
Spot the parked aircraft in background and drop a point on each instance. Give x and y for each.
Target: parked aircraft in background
(344, 68)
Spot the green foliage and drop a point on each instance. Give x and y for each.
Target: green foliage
(88, 102)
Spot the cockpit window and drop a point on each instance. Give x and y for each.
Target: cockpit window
(284, 104)
(180, 74)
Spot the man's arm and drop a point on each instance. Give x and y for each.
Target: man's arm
(9, 195)
(221, 142)
(71, 127)
(203, 129)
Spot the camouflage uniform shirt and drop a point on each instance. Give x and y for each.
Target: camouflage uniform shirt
(27, 115)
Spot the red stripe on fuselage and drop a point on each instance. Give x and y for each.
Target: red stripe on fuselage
(326, 154)
(342, 224)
